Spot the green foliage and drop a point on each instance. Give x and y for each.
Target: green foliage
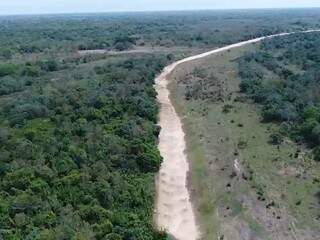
(311, 112)
(276, 138)
(316, 153)
(227, 108)
(149, 158)
(291, 97)
(8, 69)
(49, 65)
(78, 134)
(207, 29)
(10, 85)
(78, 157)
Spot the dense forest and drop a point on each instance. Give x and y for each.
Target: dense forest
(284, 77)
(121, 31)
(78, 133)
(78, 149)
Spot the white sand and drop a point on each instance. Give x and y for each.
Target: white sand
(174, 212)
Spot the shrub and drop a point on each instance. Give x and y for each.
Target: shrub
(227, 108)
(316, 153)
(8, 69)
(276, 138)
(242, 144)
(49, 66)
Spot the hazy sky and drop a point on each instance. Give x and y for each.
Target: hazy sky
(74, 6)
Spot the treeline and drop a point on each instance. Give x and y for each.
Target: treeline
(204, 29)
(284, 77)
(78, 153)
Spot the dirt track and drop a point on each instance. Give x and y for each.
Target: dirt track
(174, 212)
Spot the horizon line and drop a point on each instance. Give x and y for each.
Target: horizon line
(153, 11)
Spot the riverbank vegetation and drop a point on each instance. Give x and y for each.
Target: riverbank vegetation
(78, 133)
(248, 178)
(78, 149)
(283, 76)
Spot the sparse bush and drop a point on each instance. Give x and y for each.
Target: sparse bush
(276, 138)
(242, 144)
(8, 69)
(316, 153)
(227, 108)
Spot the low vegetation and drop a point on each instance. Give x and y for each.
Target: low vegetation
(247, 177)
(283, 76)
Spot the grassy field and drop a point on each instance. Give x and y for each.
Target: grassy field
(243, 187)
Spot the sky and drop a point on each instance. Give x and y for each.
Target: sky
(9, 7)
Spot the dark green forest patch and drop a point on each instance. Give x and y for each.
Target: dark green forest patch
(78, 154)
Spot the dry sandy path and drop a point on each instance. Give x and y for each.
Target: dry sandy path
(174, 212)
